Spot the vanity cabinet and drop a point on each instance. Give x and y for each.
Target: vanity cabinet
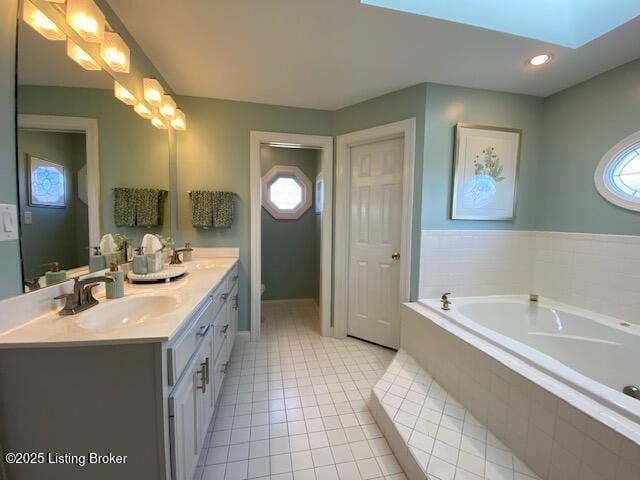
(207, 343)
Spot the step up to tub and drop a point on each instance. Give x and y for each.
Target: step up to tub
(432, 435)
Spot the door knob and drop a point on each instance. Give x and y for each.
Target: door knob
(395, 255)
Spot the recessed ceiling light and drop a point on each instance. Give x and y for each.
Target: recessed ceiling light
(539, 60)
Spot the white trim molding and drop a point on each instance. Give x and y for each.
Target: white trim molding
(291, 140)
(405, 129)
(88, 126)
(286, 171)
(604, 173)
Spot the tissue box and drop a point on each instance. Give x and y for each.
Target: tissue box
(154, 262)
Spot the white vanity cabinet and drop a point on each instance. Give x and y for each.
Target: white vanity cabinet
(206, 343)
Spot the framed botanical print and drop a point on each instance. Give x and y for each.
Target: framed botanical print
(485, 177)
(46, 183)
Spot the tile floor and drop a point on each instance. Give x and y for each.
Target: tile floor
(445, 440)
(293, 407)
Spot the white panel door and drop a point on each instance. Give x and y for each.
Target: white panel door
(374, 232)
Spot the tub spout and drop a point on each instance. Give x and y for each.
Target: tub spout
(445, 301)
(632, 391)
(534, 297)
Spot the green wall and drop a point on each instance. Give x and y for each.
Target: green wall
(291, 248)
(580, 125)
(446, 106)
(213, 154)
(132, 152)
(10, 273)
(69, 225)
(401, 105)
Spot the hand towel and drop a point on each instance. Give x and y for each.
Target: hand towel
(124, 209)
(223, 209)
(149, 207)
(201, 209)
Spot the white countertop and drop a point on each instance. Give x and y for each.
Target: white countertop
(181, 296)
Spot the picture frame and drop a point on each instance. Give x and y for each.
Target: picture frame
(485, 173)
(47, 185)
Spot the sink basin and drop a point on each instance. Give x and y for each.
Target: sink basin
(114, 314)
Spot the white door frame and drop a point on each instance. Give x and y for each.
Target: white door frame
(88, 126)
(405, 129)
(325, 145)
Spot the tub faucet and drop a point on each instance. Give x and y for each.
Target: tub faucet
(445, 301)
(82, 297)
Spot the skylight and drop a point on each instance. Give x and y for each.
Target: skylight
(570, 23)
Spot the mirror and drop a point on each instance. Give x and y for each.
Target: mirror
(77, 147)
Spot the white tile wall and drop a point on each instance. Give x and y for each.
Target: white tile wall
(561, 435)
(596, 272)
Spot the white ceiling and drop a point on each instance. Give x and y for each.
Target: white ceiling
(332, 53)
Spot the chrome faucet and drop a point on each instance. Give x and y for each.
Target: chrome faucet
(82, 297)
(175, 255)
(445, 300)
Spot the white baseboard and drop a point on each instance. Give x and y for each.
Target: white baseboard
(290, 301)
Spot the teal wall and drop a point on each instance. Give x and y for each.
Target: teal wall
(291, 248)
(446, 106)
(68, 226)
(213, 154)
(132, 152)
(401, 105)
(10, 274)
(580, 125)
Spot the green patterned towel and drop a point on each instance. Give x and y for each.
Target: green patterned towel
(201, 209)
(124, 208)
(223, 209)
(149, 202)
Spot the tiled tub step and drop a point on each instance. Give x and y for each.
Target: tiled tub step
(432, 435)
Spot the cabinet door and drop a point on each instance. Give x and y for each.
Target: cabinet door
(232, 318)
(184, 406)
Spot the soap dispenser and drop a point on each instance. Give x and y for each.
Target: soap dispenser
(115, 289)
(140, 262)
(187, 255)
(55, 275)
(97, 260)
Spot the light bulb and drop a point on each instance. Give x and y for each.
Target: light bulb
(153, 91)
(179, 122)
(168, 108)
(81, 57)
(124, 95)
(156, 122)
(539, 60)
(115, 52)
(41, 23)
(86, 19)
(143, 111)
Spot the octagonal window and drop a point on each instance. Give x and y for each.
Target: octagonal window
(286, 192)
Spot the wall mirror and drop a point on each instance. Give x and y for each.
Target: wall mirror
(76, 144)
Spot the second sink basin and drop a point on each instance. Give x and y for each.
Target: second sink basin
(127, 311)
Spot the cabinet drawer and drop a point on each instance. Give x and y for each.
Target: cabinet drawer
(184, 347)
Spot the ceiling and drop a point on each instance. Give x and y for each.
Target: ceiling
(332, 53)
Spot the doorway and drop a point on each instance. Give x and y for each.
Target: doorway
(374, 206)
(294, 195)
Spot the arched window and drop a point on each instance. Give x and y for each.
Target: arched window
(618, 174)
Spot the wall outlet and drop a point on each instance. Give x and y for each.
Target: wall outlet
(8, 222)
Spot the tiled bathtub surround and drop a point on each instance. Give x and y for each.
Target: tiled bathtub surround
(549, 426)
(596, 272)
(432, 434)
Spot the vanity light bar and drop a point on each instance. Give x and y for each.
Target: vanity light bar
(156, 122)
(143, 111)
(41, 23)
(124, 95)
(179, 122)
(153, 91)
(81, 57)
(168, 107)
(86, 19)
(115, 52)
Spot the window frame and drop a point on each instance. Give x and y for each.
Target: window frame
(604, 174)
(286, 171)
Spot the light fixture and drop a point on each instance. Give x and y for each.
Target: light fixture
(539, 60)
(41, 23)
(115, 52)
(143, 111)
(153, 91)
(168, 108)
(179, 122)
(158, 123)
(86, 19)
(81, 57)
(124, 95)
(56, 1)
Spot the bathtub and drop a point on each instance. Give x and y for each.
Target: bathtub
(594, 354)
